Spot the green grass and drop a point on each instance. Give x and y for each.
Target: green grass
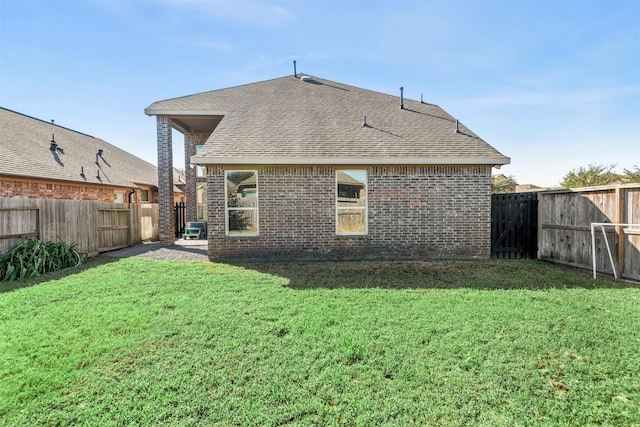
(141, 342)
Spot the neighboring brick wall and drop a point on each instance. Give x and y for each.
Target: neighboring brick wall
(66, 190)
(48, 190)
(414, 212)
(137, 198)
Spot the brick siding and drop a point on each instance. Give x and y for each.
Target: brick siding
(190, 142)
(47, 190)
(413, 212)
(165, 182)
(62, 190)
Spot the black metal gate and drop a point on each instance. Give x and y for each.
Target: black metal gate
(514, 225)
(181, 218)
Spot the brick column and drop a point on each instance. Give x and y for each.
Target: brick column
(190, 176)
(190, 142)
(165, 183)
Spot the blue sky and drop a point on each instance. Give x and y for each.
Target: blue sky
(554, 85)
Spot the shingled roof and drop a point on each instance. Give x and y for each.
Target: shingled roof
(26, 151)
(309, 120)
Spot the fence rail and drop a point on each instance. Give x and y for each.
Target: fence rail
(564, 231)
(93, 226)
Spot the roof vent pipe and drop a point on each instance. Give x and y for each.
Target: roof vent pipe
(295, 72)
(401, 98)
(364, 123)
(54, 145)
(421, 101)
(457, 126)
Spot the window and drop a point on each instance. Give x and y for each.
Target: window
(201, 171)
(351, 202)
(201, 200)
(241, 190)
(144, 195)
(118, 198)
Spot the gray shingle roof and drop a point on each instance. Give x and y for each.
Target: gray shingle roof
(25, 144)
(295, 120)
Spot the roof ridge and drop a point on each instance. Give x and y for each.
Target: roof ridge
(299, 76)
(364, 89)
(223, 88)
(49, 123)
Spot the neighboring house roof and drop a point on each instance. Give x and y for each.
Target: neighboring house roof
(25, 151)
(525, 188)
(179, 180)
(179, 177)
(249, 182)
(303, 120)
(346, 179)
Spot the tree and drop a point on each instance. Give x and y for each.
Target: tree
(503, 184)
(632, 175)
(590, 176)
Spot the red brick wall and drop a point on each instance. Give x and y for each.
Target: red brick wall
(50, 190)
(10, 187)
(413, 212)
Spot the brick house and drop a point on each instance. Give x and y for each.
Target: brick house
(303, 167)
(40, 159)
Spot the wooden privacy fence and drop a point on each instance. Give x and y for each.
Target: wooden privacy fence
(149, 220)
(564, 231)
(93, 226)
(514, 225)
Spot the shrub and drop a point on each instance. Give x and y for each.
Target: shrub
(32, 258)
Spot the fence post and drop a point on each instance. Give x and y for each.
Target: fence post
(620, 219)
(38, 219)
(540, 214)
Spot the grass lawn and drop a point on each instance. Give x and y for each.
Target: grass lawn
(142, 342)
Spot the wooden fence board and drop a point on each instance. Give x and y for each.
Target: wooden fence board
(632, 244)
(113, 226)
(93, 226)
(565, 227)
(135, 221)
(69, 221)
(18, 219)
(149, 217)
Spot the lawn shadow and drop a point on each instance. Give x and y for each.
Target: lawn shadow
(446, 274)
(7, 286)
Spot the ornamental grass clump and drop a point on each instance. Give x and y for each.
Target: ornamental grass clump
(32, 258)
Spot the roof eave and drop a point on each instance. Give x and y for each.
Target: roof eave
(28, 177)
(493, 161)
(160, 112)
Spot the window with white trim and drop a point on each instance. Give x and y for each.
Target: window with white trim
(241, 193)
(201, 171)
(351, 202)
(201, 200)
